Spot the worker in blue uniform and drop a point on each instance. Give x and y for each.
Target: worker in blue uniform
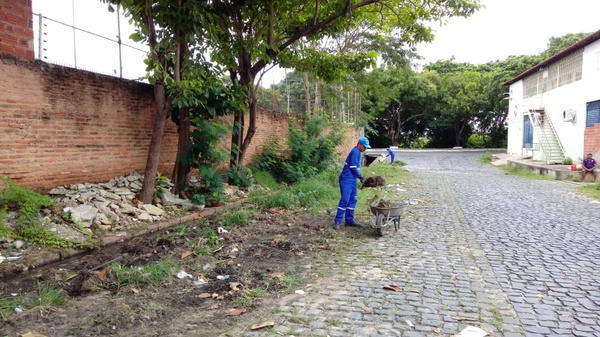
(391, 155)
(348, 190)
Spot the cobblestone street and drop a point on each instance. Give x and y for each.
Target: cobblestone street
(510, 255)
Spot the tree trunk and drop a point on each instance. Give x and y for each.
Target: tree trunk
(307, 93)
(318, 99)
(160, 119)
(239, 143)
(182, 167)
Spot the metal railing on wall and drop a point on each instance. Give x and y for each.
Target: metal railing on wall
(63, 44)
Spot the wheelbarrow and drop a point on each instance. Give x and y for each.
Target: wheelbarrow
(386, 216)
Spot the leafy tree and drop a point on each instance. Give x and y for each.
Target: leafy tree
(246, 36)
(557, 44)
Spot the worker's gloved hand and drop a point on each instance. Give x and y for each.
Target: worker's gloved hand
(362, 179)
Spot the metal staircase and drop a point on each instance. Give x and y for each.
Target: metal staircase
(549, 144)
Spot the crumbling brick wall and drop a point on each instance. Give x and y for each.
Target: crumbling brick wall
(16, 28)
(62, 126)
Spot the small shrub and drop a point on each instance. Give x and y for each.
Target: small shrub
(567, 161)
(478, 141)
(241, 176)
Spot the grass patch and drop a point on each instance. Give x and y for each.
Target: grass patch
(47, 295)
(242, 302)
(256, 292)
(517, 170)
(485, 158)
(147, 274)
(240, 217)
(29, 226)
(289, 280)
(309, 194)
(265, 179)
(590, 190)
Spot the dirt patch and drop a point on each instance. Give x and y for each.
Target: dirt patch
(248, 267)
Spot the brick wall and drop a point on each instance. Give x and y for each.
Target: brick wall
(62, 126)
(591, 141)
(16, 27)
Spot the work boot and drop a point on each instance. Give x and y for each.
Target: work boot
(336, 225)
(352, 224)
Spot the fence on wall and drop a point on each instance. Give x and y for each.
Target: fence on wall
(67, 45)
(64, 44)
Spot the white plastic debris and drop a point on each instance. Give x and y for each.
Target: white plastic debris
(182, 274)
(222, 230)
(206, 266)
(2, 258)
(299, 292)
(410, 324)
(199, 282)
(18, 310)
(222, 277)
(472, 331)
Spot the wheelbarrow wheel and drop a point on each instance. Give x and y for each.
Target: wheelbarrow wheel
(379, 224)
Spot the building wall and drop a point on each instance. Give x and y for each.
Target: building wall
(16, 27)
(62, 126)
(573, 136)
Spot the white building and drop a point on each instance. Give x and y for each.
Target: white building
(554, 107)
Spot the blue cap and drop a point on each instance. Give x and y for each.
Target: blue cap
(364, 141)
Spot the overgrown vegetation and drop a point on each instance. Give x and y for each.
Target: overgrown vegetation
(310, 149)
(517, 170)
(29, 226)
(46, 296)
(485, 158)
(591, 190)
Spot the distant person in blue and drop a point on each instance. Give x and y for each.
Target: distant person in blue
(391, 154)
(348, 190)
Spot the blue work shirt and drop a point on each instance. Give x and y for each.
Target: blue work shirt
(351, 170)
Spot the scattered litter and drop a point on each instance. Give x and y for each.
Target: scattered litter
(299, 292)
(471, 331)
(18, 310)
(206, 266)
(199, 282)
(13, 258)
(410, 324)
(222, 277)
(222, 230)
(234, 249)
(262, 325)
(2, 258)
(237, 312)
(392, 287)
(235, 286)
(186, 254)
(18, 244)
(182, 274)
(218, 249)
(204, 295)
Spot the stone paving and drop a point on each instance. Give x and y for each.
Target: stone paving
(510, 255)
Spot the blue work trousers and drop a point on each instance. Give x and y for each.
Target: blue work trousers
(348, 200)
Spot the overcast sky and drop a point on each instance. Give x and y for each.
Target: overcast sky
(503, 28)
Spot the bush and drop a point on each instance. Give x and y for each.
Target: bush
(241, 176)
(478, 141)
(310, 149)
(567, 161)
